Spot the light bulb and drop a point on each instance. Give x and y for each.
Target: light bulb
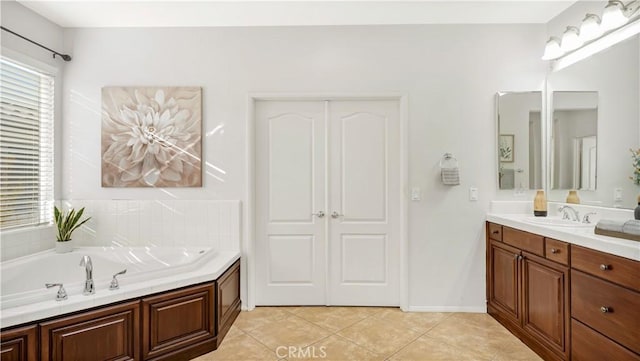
(613, 16)
(570, 39)
(590, 28)
(552, 49)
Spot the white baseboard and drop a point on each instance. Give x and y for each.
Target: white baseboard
(468, 309)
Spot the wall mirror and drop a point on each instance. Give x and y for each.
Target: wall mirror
(598, 164)
(574, 139)
(519, 117)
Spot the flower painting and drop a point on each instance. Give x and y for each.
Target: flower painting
(151, 137)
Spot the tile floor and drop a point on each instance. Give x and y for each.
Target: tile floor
(366, 333)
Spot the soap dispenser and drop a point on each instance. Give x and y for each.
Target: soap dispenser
(540, 204)
(573, 197)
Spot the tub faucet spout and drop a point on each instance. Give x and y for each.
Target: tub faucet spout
(88, 267)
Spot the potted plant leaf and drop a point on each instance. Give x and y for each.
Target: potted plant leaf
(67, 222)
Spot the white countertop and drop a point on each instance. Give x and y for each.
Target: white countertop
(579, 236)
(209, 271)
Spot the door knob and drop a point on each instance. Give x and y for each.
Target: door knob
(335, 214)
(318, 214)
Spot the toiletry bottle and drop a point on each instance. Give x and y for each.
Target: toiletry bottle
(540, 204)
(636, 213)
(573, 197)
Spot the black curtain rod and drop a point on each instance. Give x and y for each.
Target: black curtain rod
(65, 57)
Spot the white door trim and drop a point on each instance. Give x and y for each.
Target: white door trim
(248, 236)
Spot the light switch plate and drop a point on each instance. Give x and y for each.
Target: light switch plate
(473, 194)
(416, 194)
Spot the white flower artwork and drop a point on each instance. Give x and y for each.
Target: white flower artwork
(151, 137)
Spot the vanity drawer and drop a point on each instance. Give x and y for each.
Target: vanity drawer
(524, 240)
(610, 309)
(588, 345)
(556, 251)
(495, 232)
(616, 269)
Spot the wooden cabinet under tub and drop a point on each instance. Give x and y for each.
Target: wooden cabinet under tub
(174, 325)
(20, 344)
(564, 301)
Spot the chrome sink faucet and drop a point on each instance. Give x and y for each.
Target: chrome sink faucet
(88, 267)
(566, 210)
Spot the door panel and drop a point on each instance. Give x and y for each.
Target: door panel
(371, 252)
(364, 233)
(290, 159)
(290, 187)
(363, 162)
(289, 259)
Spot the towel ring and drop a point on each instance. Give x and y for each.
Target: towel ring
(448, 161)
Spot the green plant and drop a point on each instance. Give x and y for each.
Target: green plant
(67, 222)
(635, 156)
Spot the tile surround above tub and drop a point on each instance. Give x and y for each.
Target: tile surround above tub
(172, 223)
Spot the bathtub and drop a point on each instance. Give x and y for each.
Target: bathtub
(24, 297)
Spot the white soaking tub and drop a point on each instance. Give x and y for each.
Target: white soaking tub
(24, 297)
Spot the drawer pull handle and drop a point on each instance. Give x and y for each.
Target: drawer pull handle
(605, 309)
(605, 267)
(496, 232)
(554, 251)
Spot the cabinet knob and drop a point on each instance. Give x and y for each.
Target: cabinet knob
(605, 309)
(516, 256)
(554, 251)
(605, 267)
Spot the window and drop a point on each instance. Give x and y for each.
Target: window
(26, 145)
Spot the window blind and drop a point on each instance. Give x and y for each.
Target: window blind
(26, 145)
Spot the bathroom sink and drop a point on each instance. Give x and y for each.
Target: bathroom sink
(556, 222)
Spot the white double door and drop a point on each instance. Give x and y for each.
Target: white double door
(327, 202)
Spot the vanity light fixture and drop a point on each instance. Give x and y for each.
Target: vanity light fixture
(590, 28)
(570, 39)
(552, 49)
(619, 22)
(613, 15)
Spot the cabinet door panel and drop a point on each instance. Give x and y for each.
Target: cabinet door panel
(545, 292)
(106, 334)
(503, 280)
(19, 344)
(175, 320)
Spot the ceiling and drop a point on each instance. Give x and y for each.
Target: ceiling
(181, 13)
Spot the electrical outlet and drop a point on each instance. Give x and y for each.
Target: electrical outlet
(617, 195)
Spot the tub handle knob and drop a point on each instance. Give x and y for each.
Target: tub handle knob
(62, 294)
(114, 282)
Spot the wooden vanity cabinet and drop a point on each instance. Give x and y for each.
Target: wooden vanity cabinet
(20, 344)
(109, 333)
(528, 293)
